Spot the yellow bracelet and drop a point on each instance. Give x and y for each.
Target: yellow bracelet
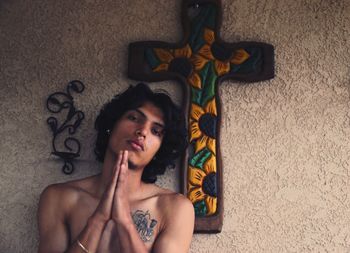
(82, 247)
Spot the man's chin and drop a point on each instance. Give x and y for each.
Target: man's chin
(132, 165)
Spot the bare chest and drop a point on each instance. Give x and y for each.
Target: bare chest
(145, 215)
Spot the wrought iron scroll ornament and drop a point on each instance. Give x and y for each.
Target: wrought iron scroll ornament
(57, 103)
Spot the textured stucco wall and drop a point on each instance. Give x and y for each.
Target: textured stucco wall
(285, 142)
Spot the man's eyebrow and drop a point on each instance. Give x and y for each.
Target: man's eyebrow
(145, 116)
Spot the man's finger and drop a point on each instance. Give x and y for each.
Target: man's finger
(116, 169)
(109, 193)
(123, 168)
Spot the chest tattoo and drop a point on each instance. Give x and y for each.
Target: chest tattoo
(144, 224)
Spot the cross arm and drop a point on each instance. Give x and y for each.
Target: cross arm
(138, 64)
(258, 67)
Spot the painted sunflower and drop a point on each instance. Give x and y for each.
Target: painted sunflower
(222, 57)
(203, 126)
(202, 185)
(178, 61)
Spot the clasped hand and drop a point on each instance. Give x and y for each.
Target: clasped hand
(114, 203)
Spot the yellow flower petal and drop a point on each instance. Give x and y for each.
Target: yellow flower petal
(240, 56)
(196, 194)
(211, 145)
(210, 165)
(183, 52)
(196, 111)
(222, 67)
(196, 176)
(201, 143)
(164, 55)
(190, 187)
(195, 132)
(195, 80)
(206, 52)
(209, 36)
(211, 203)
(198, 61)
(211, 107)
(161, 67)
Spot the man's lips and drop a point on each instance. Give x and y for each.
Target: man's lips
(136, 145)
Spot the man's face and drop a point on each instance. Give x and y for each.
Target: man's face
(140, 131)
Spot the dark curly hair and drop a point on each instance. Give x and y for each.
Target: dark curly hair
(175, 136)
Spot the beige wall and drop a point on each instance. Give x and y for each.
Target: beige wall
(285, 142)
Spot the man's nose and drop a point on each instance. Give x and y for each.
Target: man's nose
(142, 131)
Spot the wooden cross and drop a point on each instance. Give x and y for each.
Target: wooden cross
(200, 62)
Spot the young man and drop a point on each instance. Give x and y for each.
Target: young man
(140, 133)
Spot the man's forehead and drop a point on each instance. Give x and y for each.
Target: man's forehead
(151, 112)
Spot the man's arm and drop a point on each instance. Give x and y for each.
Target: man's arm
(177, 233)
(130, 241)
(53, 231)
(55, 203)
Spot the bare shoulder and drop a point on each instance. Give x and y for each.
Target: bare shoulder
(56, 199)
(175, 204)
(174, 199)
(62, 195)
(56, 192)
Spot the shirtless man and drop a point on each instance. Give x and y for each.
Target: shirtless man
(140, 133)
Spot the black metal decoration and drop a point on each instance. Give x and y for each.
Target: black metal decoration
(56, 103)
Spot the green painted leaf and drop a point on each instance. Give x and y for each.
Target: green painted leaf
(206, 18)
(204, 73)
(209, 85)
(196, 39)
(151, 58)
(200, 208)
(252, 65)
(196, 95)
(199, 158)
(212, 17)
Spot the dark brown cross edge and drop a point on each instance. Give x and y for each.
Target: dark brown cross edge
(200, 61)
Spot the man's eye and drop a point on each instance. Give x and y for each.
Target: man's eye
(132, 117)
(157, 132)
